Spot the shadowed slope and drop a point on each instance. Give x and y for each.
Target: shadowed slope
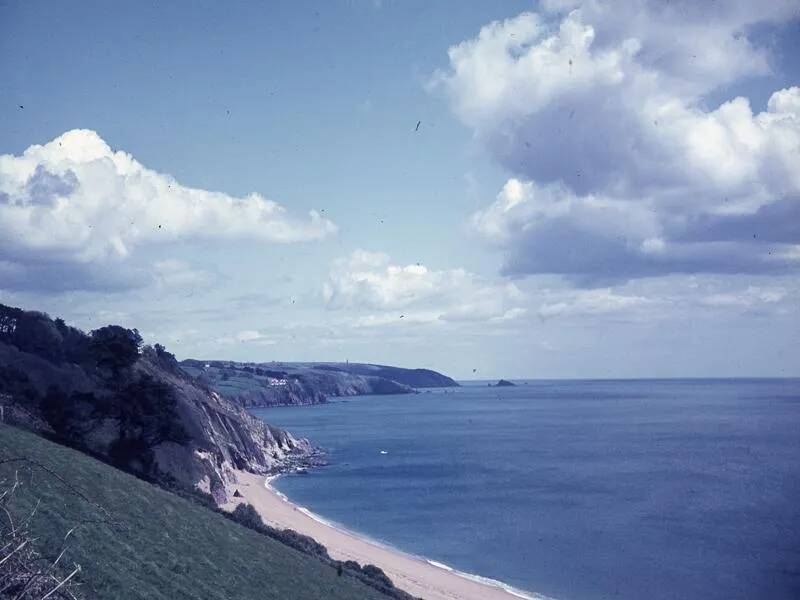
(150, 543)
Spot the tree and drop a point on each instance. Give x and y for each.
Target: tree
(115, 347)
(34, 332)
(165, 357)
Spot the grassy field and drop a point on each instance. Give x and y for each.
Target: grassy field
(157, 545)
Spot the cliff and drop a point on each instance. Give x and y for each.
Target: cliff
(131, 406)
(280, 383)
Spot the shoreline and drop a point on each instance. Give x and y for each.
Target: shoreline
(389, 548)
(416, 575)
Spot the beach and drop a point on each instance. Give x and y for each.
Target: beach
(415, 575)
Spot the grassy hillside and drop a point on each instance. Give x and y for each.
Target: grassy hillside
(159, 546)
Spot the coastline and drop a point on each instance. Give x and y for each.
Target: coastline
(416, 575)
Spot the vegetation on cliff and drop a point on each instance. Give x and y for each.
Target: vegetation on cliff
(130, 405)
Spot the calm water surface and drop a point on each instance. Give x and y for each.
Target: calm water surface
(575, 489)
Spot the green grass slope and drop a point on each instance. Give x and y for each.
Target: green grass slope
(160, 546)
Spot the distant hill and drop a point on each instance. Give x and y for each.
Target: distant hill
(135, 541)
(280, 383)
(416, 378)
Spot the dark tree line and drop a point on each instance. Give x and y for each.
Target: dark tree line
(111, 347)
(106, 391)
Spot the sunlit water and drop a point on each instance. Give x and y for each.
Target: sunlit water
(574, 489)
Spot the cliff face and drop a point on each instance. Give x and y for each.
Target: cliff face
(220, 436)
(270, 384)
(134, 407)
(417, 378)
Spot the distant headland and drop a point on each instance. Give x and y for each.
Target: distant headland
(283, 383)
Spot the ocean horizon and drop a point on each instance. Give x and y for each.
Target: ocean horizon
(573, 489)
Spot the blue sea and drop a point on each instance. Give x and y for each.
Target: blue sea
(584, 490)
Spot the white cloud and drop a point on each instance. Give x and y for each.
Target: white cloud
(621, 170)
(523, 206)
(594, 302)
(676, 297)
(247, 336)
(415, 293)
(367, 278)
(76, 201)
(752, 297)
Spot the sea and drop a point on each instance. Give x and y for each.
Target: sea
(577, 490)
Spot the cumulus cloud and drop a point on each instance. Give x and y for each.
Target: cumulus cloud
(598, 240)
(74, 201)
(594, 302)
(667, 298)
(621, 170)
(367, 280)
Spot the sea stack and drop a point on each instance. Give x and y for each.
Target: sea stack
(504, 383)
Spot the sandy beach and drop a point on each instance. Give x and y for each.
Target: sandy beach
(414, 575)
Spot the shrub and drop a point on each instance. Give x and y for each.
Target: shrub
(246, 515)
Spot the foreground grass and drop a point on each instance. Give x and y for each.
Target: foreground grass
(150, 543)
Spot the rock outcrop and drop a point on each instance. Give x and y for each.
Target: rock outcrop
(504, 383)
(131, 406)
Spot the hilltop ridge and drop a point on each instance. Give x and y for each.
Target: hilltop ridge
(279, 383)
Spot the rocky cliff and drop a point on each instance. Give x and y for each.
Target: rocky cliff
(280, 383)
(130, 405)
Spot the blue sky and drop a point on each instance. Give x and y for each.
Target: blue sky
(580, 198)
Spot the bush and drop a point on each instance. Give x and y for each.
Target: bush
(15, 382)
(147, 409)
(377, 575)
(246, 515)
(67, 413)
(165, 357)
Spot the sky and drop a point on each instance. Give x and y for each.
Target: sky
(555, 189)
